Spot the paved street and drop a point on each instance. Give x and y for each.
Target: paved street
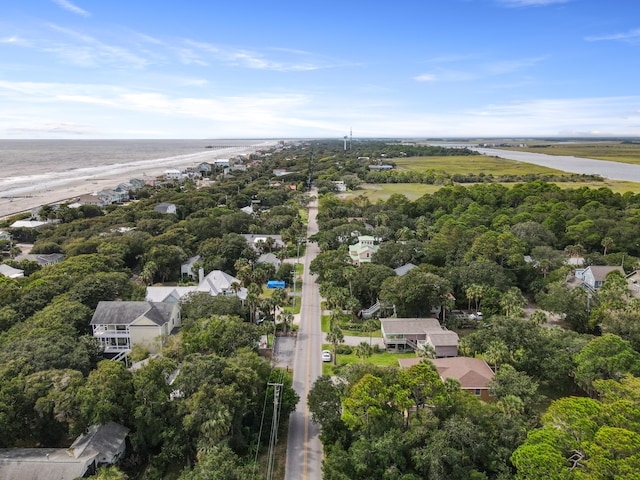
(304, 449)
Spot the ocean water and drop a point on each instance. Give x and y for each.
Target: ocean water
(28, 165)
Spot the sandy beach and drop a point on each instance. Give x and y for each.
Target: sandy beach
(25, 197)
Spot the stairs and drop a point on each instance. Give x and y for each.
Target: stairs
(371, 311)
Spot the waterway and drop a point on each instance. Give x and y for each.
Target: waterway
(585, 166)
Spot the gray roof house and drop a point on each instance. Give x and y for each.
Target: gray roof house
(269, 258)
(43, 259)
(404, 269)
(593, 277)
(101, 445)
(215, 283)
(165, 208)
(401, 334)
(121, 325)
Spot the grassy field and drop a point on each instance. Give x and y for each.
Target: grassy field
(612, 151)
(472, 164)
(382, 191)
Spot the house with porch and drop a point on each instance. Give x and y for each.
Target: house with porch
(405, 334)
(473, 374)
(121, 325)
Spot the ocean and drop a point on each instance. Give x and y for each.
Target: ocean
(35, 164)
(36, 172)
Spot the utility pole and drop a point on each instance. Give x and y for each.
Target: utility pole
(273, 439)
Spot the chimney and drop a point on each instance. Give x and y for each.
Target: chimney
(200, 275)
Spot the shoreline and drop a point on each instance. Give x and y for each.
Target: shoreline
(24, 199)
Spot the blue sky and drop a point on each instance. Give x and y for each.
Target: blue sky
(256, 69)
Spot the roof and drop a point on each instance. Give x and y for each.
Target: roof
(443, 339)
(103, 439)
(215, 283)
(10, 272)
(27, 224)
(125, 313)
(42, 258)
(164, 207)
(472, 373)
(404, 269)
(410, 325)
(41, 464)
(600, 272)
(268, 258)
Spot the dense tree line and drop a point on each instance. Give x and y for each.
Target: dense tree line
(495, 248)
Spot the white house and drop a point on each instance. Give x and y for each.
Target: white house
(215, 283)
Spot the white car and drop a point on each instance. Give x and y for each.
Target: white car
(476, 316)
(326, 356)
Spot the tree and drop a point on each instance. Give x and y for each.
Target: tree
(607, 242)
(512, 302)
(112, 383)
(335, 336)
(606, 357)
(475, 292)
(363, 350)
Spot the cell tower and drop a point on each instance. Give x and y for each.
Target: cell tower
(345, 143)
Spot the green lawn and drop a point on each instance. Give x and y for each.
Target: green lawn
(382, 359)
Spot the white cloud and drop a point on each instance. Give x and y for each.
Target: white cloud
(71, 7)
(632, 36)
(253, 60)
(530, 3)
(426, 77)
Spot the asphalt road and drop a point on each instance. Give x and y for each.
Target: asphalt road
(304, 449)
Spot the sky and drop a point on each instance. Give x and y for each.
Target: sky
(89, 69)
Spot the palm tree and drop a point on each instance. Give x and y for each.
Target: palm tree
(148, 272)
(606, 243)
(286, 318)
(363, 350)
(370, 325)
(335, 336)
(475, 292)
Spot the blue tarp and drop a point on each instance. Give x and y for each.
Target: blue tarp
(275, 284)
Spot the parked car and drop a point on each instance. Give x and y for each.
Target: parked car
(476, 316)
(326, 356)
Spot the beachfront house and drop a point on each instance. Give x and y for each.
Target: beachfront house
(121, 325)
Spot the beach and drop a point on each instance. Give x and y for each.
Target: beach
(23, 192)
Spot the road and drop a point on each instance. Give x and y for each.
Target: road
(304, 449)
